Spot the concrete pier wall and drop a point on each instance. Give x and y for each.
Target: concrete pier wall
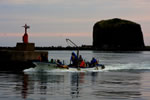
(21, 55)
(13, 55)
(13, 60)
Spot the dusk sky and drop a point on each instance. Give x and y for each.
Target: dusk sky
(52, 21)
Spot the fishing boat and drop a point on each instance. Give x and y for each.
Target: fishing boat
(45, 66)
(57, 65)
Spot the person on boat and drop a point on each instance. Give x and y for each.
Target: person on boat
(44, 58)
(94, 62)
(59, 62)
(61, 65)
(81, 62)
(80, 59)
(74, 59)
(52, 61)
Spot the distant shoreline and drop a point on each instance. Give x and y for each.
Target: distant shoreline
(147, 48)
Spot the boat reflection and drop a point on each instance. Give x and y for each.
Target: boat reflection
(76, 80)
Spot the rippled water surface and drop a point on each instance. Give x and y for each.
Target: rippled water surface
(126, 77)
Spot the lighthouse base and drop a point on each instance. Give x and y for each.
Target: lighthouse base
(25, 46)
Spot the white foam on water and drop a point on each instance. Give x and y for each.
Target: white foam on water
(113, 67)
(130, 66)
(29, 70)
(43, 69)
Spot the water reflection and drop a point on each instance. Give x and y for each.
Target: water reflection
(75, 85)
(77, 79)
(78, 82)
(41, 84)
(118, 85)
(92, 85)
(25, 86)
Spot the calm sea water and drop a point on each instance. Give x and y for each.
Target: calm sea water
(126, 77)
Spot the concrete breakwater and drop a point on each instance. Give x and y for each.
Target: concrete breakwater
(13, 60)
(22, 56)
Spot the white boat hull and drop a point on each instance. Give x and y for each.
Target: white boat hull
(47, 66)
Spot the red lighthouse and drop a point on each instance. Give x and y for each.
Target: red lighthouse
(25, 46)
(25, 36)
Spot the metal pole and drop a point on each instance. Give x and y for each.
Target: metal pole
(77, 52)
(75, 46)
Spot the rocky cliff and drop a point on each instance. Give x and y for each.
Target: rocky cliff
(117, 34)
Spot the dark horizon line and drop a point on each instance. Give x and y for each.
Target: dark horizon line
(83, 47)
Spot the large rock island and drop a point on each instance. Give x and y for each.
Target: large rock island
(117, 34)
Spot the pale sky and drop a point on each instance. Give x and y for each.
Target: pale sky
(52, 21)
